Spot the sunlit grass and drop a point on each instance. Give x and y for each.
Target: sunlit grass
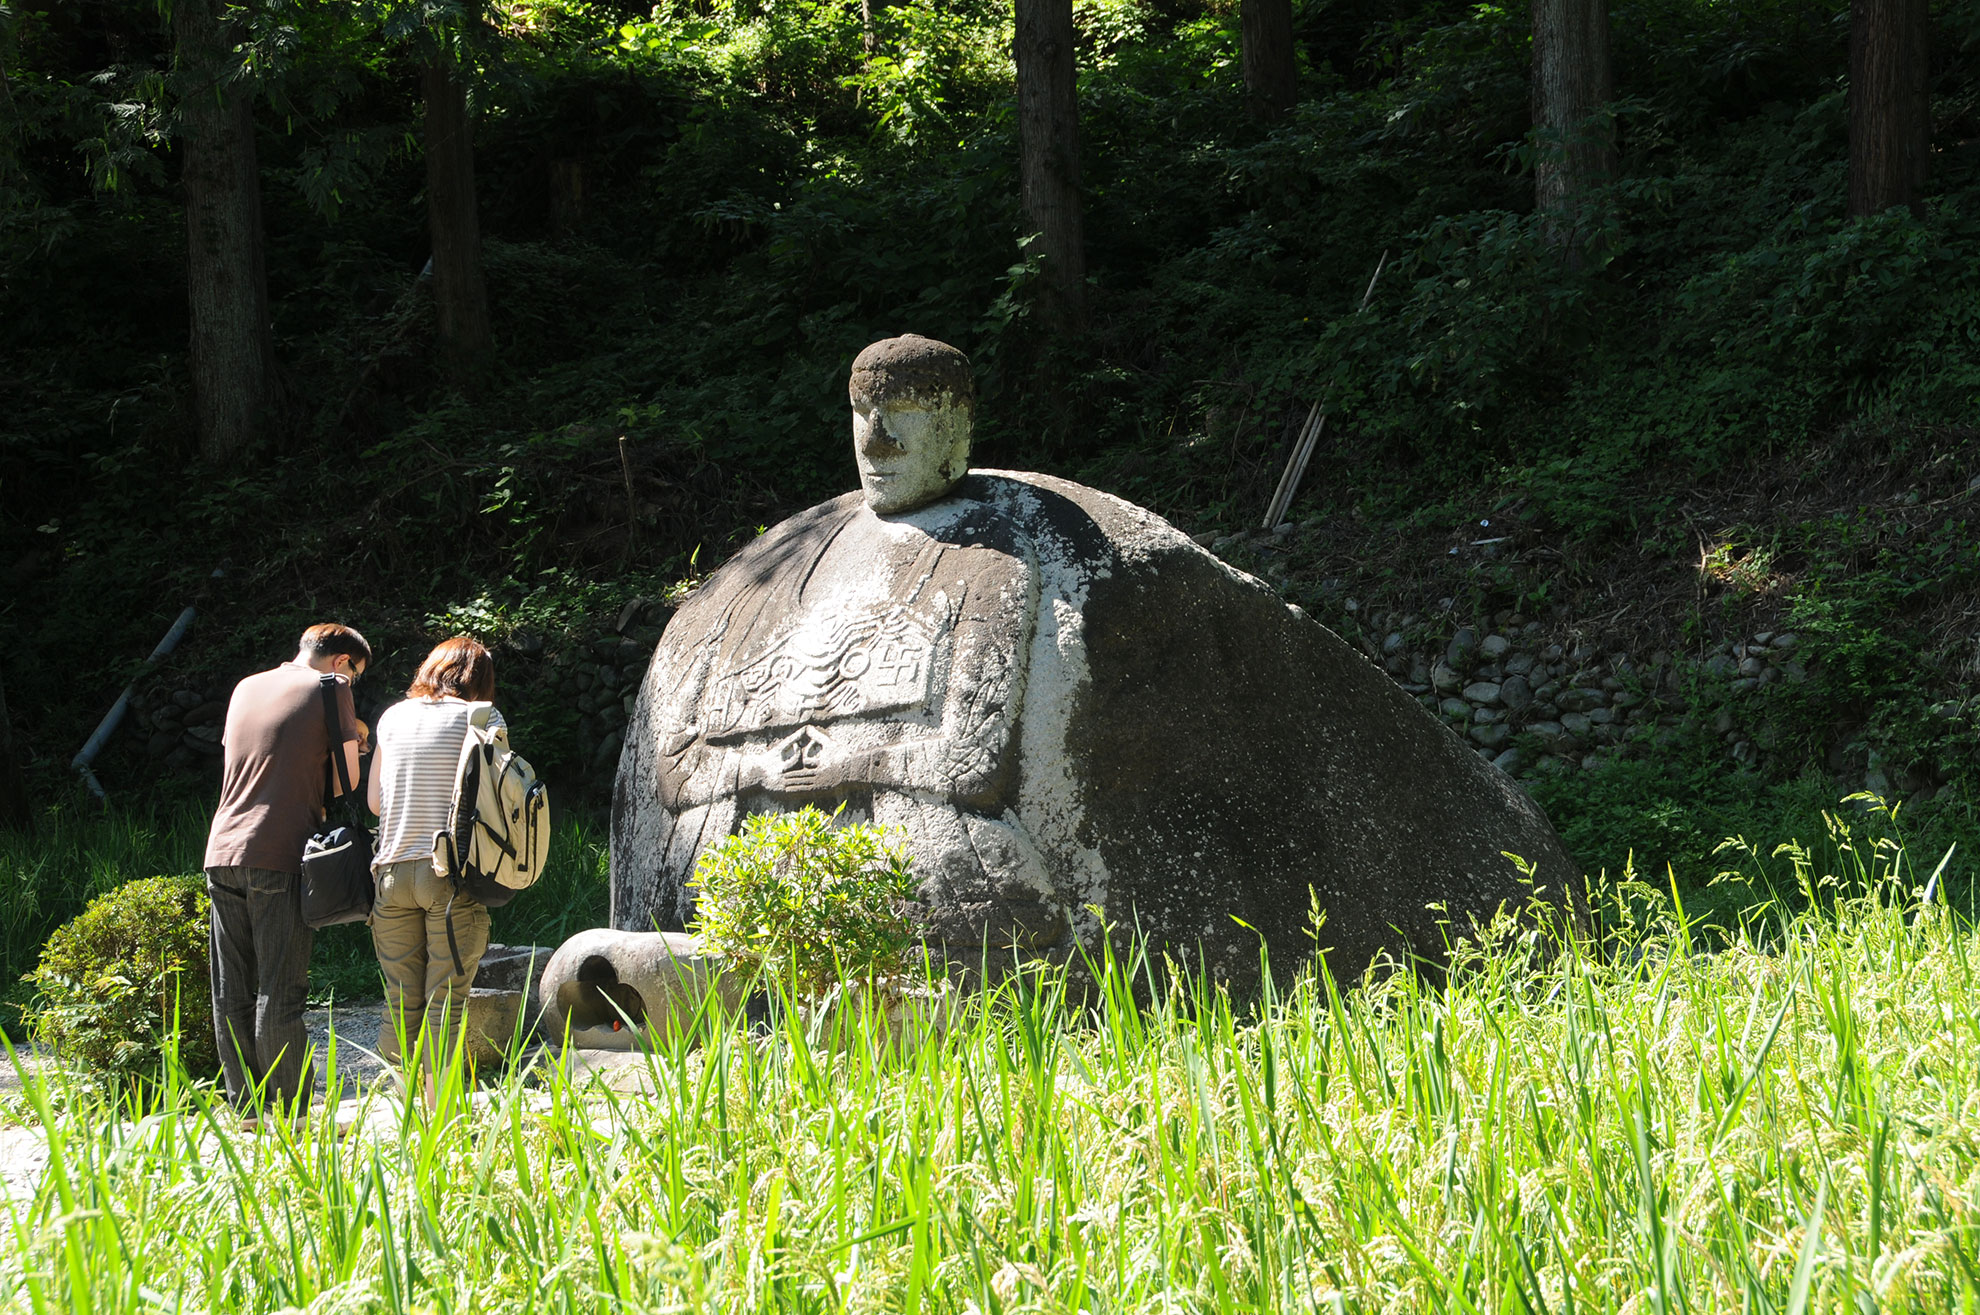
(1774, 1116)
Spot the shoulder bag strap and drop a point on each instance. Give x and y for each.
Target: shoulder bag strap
(334, 725)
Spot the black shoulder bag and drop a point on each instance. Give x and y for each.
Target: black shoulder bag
(336, 865)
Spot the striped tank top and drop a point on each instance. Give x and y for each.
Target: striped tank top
(419, 750)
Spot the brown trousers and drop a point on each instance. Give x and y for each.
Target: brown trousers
(409, 931)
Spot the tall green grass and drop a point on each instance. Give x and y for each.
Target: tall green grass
(1778, 1115)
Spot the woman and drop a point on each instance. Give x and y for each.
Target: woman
(412, 790)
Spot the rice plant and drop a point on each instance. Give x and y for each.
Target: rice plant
(1780, 1115)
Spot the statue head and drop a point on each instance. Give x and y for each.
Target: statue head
(913, 401)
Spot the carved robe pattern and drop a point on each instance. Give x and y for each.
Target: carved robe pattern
(875, 665)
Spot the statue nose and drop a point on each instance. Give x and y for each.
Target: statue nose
(877, 442)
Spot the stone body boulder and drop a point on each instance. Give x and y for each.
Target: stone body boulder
(1072, 712)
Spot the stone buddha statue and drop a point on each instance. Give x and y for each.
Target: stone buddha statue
(1083, 723)
(874, 662)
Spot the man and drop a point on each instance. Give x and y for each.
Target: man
(278, 745)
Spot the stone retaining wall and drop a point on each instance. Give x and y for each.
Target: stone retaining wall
(1526, 702)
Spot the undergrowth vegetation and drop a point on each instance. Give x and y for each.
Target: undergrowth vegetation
(761, 198)
(807, 902)
(124, 983)
(1771, 1113)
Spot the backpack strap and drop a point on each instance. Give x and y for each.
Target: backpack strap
(454, 946)
(477, 719)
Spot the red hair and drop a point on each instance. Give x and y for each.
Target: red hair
(459, 668)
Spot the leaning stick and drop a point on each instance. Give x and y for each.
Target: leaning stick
(1309, 433)
(1295, 466)
(108, 726)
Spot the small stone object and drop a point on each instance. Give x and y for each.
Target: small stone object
(1445, 679)
(1455, 708)
(1578, 699)
(1786, 641)
(512, 967)
(1549, 733)
(641, 981)
(1577, 724)
(1721, 665)
(1515, 693)
(1462, 649)
(1485, 692)
(1494, 647)
(495, 1019)
(630, 614)
(1491, 736)
(1509, 761)
(607, 751)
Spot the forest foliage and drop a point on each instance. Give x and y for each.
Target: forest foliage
(694, 215)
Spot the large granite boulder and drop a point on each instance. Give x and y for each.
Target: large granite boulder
(1073, 713)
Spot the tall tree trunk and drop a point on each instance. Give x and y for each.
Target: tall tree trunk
(460, 299)
(1271, 81)
(869, 11)
(226, 285)
(1890, 105)
(1571, 85)
(15, 809)
(1048, 155)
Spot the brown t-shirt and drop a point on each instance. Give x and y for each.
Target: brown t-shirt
(271, 796)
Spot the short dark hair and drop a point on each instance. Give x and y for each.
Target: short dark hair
(917, 368)
(329, 639)
(459, 667)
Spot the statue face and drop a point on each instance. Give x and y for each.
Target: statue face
(909, 454)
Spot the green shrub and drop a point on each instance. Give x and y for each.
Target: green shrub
(807, 901)
(113, 981)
